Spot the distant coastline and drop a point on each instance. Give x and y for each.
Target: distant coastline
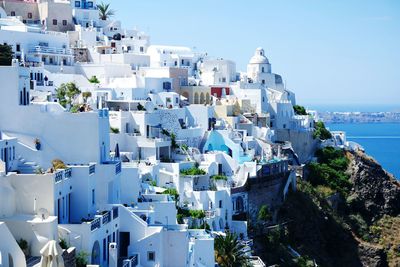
(360, 117)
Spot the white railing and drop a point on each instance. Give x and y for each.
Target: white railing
(50, 50)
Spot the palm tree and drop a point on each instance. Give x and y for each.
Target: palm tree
(104, 11)
(229, 252)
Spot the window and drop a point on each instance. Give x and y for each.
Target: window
(18, 47)
(183, 62)
(262, 69)
(151, 256)
(65, 22)
(220, 204)
(141, 49)
(263, 81)
(90, 4)
(93, 196)
(54, 22)
(29, 15)
(12, 13)
(77, 3)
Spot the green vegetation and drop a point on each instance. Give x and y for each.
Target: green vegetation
(94, 79)
(58, 164)
(264, 214)
(81, 259)
(219, 177)
(229, 252)
(75, 109)
(184, 147)
(6, 55)
(172, 192)
(23, 244)
(66, 93)
(140, 107)
(193, 171)
(114, 130)
(63, 243)
(321, 132)
(299, 110)
(85, 96)
(173, 141)
(330, 170)
(104, 11)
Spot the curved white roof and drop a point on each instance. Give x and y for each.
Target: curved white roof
(259, 57)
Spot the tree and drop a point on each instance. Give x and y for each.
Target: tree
(85, 96)
(229, 252)
(6, 55)
(321, 132)
(104, 11)
(67, 93)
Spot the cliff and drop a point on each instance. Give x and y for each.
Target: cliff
(360, 227)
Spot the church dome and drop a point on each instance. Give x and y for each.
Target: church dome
(259, 57)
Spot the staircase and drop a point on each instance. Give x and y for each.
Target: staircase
(32, 261)
(27, 167)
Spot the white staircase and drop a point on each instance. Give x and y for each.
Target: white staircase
(27, 167)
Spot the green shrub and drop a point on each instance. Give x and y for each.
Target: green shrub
(81, 259)
(94, 79)
(114, 130)
(321, 132)
(63, 244)
(6, 55)
(264, 214)
(172, 192)
(299, 110)
(193, 171)
(197, 214)
(58, 164)
(322, 174)
(23, 244)
(219, 177)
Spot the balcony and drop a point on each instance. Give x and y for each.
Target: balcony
(62, 174)
(95, 224)
(106, 217)
(50, 50)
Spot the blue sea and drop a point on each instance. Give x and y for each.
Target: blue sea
(380, 140)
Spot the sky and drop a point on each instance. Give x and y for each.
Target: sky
(342, 52)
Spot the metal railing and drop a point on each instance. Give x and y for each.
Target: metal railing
(95, 224)
(106, 217)
(50, 50)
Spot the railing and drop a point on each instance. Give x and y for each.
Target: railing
(50, 50)
(92, 169)
(59, 176)
(131, 262)
(68, 173)
(95, 224)
(106, 218)
(115, 211)
(118, 168)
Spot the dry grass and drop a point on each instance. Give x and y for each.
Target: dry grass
(387, 232)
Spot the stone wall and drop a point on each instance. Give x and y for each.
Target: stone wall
(265, 190)
(69, 257)
(81, 54)
(303, 142)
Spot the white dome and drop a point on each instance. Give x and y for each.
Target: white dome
(259, 57)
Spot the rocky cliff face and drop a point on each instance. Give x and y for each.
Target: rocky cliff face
(375, 192)
(360, 229)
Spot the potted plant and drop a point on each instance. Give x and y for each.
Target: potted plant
(38, 145)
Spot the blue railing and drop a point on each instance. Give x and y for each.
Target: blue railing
(92, 169)
(68, 173)
(95, 224)
(118, 168)
(106, 218)
(59, 176)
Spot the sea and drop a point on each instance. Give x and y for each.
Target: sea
(380, 140)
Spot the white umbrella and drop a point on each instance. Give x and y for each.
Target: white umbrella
(51, 255)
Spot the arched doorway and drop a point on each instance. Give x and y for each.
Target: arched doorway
(196, 98)
(186, 95)
(96, 253)
(202, 98)
(207, 98)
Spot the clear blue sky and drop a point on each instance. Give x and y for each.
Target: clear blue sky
(328, 52)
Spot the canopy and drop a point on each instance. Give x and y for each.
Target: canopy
(51, 255)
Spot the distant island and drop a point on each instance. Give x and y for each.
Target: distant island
(359, 117)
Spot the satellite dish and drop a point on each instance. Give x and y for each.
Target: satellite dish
(43, 213)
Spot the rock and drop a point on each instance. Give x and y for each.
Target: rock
(375, 192)
(372, 256)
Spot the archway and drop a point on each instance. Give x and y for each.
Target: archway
(202, 98)
(207, 98)
(96, 253)
(196, 98)
(186, 95)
